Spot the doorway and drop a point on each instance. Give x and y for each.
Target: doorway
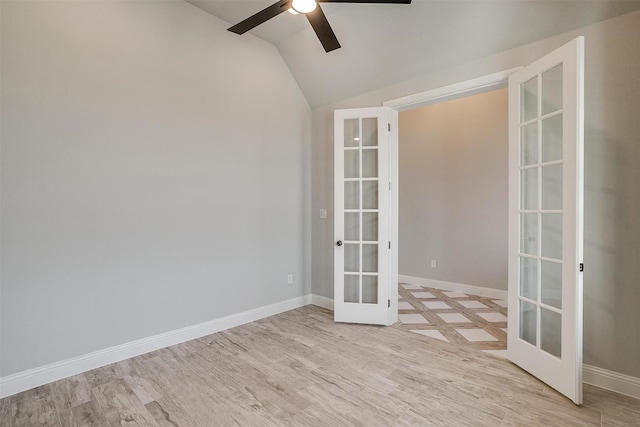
(453, 201)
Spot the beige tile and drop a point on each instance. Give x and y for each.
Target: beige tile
(431, 333)
(422, 294)
(436, 305)
(453, 318)
(476, 335)
(412, 318)
(472, 304)
(403, 305)
(493, 317)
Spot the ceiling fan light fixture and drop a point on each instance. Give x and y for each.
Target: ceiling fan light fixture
(304, 6)
(293, 11)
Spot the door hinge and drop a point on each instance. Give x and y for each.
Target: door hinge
(389, 185)
(389, 244)
(388, 303)
(389, 126)
(581, 267)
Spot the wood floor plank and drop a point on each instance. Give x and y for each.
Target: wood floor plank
(120, 405)
(70, 392)
(5, 412)
(83, 415)
(37, 411)
(168, 412)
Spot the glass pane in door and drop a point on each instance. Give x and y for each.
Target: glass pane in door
(552, 283)
(370, 226)
(529, 233)
(552, 90)
(352, 195)
(551, 332)
(370, 132)
(552, 235)
(370, 163)
(370, 257)
(552, 138)
(351, 164)
(529, 100)
(351, 288)
(529, 189)
(369, 289)
(352, 133)
(370, 194)
(352, 257)
(529, 144)
(528, 322)
(352, 226)
(552, 187)
(529, 278)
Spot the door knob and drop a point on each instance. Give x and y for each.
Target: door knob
(339, 243)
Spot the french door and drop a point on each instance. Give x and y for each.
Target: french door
(365, 257)
(545, 218)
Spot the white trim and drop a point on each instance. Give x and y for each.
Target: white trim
(321, 301)
(31, 378)
(458, 90)
(394, 205)
(455, 287)
(613, 381)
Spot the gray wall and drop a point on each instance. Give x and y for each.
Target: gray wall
(155, 175)
(454, 190)
(612, 177)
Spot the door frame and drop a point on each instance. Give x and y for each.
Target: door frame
(462, 89)
(475, 86)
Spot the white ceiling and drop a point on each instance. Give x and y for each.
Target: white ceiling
(387, 44)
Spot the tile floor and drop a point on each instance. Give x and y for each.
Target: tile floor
(455, 317)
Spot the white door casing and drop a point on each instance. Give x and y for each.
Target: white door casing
(546, 218)
(365, 237)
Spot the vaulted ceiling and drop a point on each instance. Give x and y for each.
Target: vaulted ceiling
(387, 44)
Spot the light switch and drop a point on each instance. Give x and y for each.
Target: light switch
(323, 214)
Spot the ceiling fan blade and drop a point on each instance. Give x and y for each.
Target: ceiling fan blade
(260, 17)
(323, 30)
(367, 1)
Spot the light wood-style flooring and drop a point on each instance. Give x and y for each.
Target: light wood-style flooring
(300, 368)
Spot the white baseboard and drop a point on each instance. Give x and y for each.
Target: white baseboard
(321, 301)
(26, 380)
(454, 287)
(609, 380)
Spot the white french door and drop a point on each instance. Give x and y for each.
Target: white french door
(545, 218)
(365, 257)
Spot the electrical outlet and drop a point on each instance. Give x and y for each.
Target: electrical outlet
(290, 279)
(434, 264)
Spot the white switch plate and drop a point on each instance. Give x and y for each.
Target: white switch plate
(290, 279)
(323, 214)
(434, 264)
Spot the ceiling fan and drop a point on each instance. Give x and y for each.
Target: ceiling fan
(314, 14)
